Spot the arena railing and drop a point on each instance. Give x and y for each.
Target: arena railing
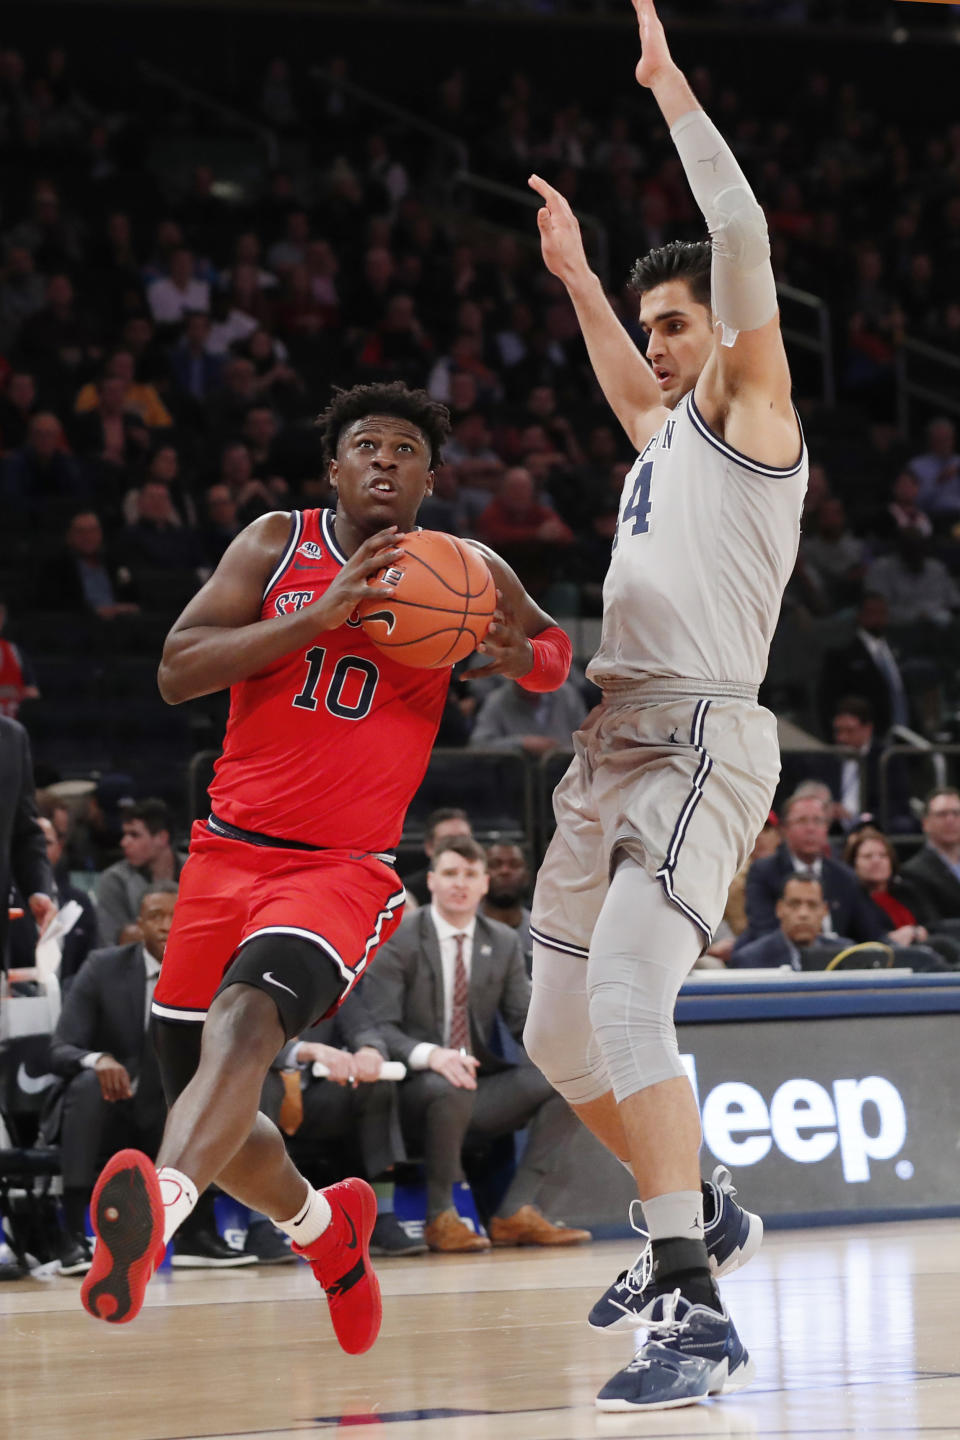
(233, 119)
(938, 389)
(820, 343)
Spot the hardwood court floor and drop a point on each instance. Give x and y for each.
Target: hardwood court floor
(855, 1333)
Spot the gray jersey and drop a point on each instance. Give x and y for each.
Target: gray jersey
(706, 541)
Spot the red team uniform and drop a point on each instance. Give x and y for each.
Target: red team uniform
(324, 750)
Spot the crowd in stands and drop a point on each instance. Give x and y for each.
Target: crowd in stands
(166, 340)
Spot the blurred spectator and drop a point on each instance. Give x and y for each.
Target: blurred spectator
(899, 902)
(79, 940)
(85, 578)
(163, 467)
(58, 342)
(18, 405)
(55, 240)
(399, 348)
(836, 554)
(508, 893)
(800, 913)
(443, 824)
(804, 825)
(196, 370)
(221, 525)
(903, 507)
(158, 536)
(515, 520)
(915, 586)
(172, 297)
(109, 429)
(284, 254)
(17, 681)
(23, 853)
(22, 293)
(866, 667)
(513, 718)
(938, 470)
(277, 103)
(857, 787)
(148, 856)
(42, 472)
(934, 871)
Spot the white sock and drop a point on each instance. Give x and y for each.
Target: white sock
(311, 1219)
(179, 1198)
(677, 1216)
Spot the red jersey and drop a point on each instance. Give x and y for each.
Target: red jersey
(13, 682)
(329, 744)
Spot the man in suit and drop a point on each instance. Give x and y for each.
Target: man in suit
(103, 1049)
(79, 941)
(855, 781)
(23, 849)
(800, 914)
(804, 826)
(351, 1109)
(935, 869)
(866, 667)
(435, 992)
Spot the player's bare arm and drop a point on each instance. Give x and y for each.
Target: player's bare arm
(220, 638)
(516, 620)
(744, 389)
(623, 374)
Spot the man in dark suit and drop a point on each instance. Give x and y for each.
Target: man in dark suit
(23, 849)
(866, 667)
(935, 870)
(803, 851)
(435, 992)
(103, 1049)
(800, 911)
(352, 1109)
(855, 781)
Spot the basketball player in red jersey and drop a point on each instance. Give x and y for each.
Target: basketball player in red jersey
(289, 887)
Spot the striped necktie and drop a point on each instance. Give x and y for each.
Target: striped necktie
(459, 1011)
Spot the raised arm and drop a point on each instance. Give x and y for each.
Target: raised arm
(746, 383)
(220, 638)
(622, 372)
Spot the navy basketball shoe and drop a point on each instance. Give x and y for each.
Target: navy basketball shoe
(691, 1352)
(733, 1236)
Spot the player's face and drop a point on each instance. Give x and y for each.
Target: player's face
(457, 886)
(381, 473)
(679, 338)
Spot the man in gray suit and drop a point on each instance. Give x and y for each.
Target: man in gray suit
(935, 869)
(435, 991)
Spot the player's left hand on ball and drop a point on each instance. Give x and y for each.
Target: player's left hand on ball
(505, 643)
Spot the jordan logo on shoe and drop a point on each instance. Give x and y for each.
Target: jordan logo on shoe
(268, 976)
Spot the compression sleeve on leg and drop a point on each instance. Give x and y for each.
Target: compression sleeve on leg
(743, 288)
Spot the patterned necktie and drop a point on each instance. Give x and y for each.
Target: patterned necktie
(459, 1011)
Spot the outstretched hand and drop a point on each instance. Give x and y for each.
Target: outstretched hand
(655, 57)
(560, 239)
(507, 645)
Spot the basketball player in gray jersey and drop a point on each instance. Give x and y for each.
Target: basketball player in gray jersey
(675, 772)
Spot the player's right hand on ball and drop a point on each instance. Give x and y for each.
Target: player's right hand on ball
(350, 587)
(560, 239)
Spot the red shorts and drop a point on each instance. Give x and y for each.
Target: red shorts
(347, 904)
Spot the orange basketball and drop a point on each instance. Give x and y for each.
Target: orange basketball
(442, 603)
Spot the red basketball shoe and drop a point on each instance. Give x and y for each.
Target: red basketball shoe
(126, 1211)
(340, 1259)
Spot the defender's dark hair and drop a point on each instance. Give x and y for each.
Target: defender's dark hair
(394, 398)
(688, 260)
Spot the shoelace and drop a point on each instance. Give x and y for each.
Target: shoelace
(666, 1329)
(638, 1277)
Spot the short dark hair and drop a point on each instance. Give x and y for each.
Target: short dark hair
(464, 846)
(160, 887)
(394, 398)
(153, 812)
(688, 260)
(935, 795)
(856, 706)
(437, 817)
(800, 880)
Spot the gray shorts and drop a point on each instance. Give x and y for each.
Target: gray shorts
(681, 783)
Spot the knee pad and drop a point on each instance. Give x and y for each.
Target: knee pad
(558, 1036)
(299, 977)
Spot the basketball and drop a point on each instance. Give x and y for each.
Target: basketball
(442, 604)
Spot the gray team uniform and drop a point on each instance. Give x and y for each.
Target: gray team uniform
(679, 764)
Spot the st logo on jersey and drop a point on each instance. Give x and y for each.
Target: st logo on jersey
(312, 555)
(292, 601)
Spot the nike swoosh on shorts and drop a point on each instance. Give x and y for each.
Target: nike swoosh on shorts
(279, 984)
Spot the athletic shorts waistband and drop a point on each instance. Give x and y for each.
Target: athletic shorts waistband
(657, 689)
(273, 842)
